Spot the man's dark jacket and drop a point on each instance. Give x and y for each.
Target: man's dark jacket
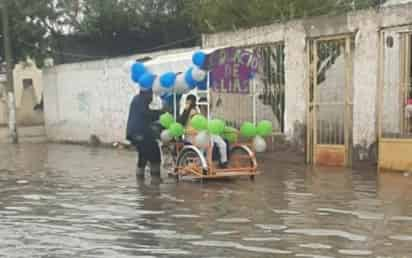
(141, 119)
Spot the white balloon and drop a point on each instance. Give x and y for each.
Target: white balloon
(202, 140)
(259, 144)
(127, 66)
(181, 86)
(166, 137)
(198, 74)
(157, 87)
(156, 103)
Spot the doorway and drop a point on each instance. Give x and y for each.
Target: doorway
(330, 102)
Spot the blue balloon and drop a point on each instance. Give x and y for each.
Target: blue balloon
(168, 80)
(199, 59)
(138, 69)
(167, 98)
(146, 80)
(202, 85)
(189, 79)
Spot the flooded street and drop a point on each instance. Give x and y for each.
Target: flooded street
(72, 201)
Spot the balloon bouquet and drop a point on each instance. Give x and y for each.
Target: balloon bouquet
(169, 83)
(207, 128)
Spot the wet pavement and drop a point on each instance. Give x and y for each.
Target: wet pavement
(72, 201)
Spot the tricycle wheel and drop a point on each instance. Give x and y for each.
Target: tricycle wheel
(240, 158)
(189, 158)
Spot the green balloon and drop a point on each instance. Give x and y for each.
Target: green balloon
(248, 130)
(216, 127)
(230, 134)
(166, 120)
(199, 122)
(176, 130)
(230, 130)
(264, 128)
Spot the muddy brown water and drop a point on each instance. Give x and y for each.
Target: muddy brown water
(72, 201)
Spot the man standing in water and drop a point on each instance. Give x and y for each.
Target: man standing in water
(140, 133)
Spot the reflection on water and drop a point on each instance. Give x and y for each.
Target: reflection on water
(70, 201)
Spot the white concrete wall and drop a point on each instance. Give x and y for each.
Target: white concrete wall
(90, 98)
(87, 99)
(365, 25)
(3, 104)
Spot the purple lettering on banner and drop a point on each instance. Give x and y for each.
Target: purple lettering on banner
(232, 69)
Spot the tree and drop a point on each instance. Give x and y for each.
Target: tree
(74, 30)
(35, 26)
(220, 15)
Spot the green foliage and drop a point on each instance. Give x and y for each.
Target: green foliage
(220, 15)
(39, 28)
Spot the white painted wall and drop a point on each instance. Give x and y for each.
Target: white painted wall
(3, 104)
(90, 98)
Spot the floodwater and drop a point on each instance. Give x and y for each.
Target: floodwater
(72, 201)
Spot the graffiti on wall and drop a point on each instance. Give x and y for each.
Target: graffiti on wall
(231, 69)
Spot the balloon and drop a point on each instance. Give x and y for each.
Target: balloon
(146, 81)
(127, 66)
(166, 120)
(190, 81)
(157, 88)
(264, 128)
(198, 75)
(166, 136)
(202, 85)
(231, 138)
(260, 144)
(230, 134)
(199, 59)
(168, 80)
(180, 85)
(199, 122)
(230, 130)
(216, 127)
(202, 140)
(156, 103)
(176, 130)
(248, 130)
(138, 69)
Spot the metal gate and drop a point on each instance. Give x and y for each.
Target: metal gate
(395, 99)
(330, 101)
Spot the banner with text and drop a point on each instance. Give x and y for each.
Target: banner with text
(232, 69)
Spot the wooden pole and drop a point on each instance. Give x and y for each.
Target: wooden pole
(9, 62)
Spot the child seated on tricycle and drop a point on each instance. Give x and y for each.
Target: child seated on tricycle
(220, 147)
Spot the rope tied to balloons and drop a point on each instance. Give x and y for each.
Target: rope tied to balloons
(205, 128)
